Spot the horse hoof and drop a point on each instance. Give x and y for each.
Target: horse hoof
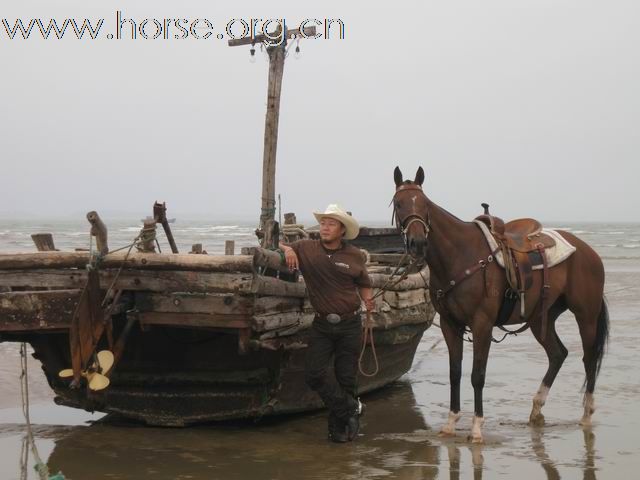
(446, 433)
(536, 420)
(585, 422)
(475, 439)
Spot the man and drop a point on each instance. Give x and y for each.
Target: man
(337, 282)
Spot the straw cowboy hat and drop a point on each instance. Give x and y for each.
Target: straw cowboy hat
(337, 213)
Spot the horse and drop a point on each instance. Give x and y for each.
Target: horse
(455, 250)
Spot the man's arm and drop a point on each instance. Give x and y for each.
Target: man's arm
(290, 257)
(366, 294)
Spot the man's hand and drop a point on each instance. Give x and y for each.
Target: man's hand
(366, 294)
(291, 258)
(370, 304)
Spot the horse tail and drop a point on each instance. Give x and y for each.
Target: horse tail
(602, 338)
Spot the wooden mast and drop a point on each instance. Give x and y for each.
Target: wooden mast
(277, 54)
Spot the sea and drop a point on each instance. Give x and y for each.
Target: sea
(399, 435)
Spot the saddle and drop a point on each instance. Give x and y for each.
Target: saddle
(522, 243)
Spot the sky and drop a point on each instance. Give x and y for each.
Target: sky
(532, 106)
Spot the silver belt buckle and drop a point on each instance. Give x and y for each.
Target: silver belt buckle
(334, 318)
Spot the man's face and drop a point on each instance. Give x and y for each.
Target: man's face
(330, 229)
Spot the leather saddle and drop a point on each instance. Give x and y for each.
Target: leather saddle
(522, 243)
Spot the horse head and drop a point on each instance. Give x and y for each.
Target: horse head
(411, 213)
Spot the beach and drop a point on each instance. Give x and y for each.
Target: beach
(399, 434)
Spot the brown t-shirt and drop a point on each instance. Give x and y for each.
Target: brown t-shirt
(332, 281)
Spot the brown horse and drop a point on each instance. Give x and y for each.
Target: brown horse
(452, 247)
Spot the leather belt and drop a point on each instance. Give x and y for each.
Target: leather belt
(335, 318)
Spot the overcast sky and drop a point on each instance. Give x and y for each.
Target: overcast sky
(530, 105)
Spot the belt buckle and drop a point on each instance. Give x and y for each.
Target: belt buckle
(334, 318)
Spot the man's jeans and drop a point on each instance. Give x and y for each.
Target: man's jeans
(342, 341)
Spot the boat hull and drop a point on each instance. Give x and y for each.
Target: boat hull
(180, 377)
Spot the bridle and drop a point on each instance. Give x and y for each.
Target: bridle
(413, 217)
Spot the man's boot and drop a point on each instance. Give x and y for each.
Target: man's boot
(337, 429)
(353, 423)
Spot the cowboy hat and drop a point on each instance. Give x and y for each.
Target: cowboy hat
(337, 213)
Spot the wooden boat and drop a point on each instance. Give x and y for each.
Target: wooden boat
(205, 337)
(196, 337)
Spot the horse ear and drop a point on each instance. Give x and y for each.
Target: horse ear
(397, 176)
(419, 177)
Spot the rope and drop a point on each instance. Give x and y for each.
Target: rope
(40, 467)
(366, 338)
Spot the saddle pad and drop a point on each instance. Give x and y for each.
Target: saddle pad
(555, 255)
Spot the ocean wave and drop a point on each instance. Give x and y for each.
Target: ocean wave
(629, 245)
(129, 229)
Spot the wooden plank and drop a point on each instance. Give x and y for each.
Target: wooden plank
(268, 258)
(389, 258)
(155, 281)
(43, 242)
(146, 261)
(44, 310)
(272, 304)
(422, 313)
(200, 320)
(210, 303)
(412, 282)
(264, 323)
(273, 286)
(406, 298)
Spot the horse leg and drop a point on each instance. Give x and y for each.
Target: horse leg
(556, 353)
(594, 332)
(453, 338)
(482, 329)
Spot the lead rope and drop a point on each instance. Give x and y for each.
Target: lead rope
(366, 337)
(40, 467)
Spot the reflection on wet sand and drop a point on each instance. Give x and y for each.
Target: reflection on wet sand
(549, 466)
(394, 442)
(397, 442)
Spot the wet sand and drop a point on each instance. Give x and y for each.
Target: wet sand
(399, 433)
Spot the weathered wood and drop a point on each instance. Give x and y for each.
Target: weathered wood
(273, 286)
(45, 310)
(290, 218)
(211, 303)
(98, 230)
(148, 239)
(140, 260)
(160, 216)
(268, 259)
(271, 232)
(229, 247)
(389, 258)
(43, 242)
(155, 281)
(273, 321)
(195, 320)
(197, 249)
(272, 304)
(412, 282)
(406, 298)
(277, 55)
(422, 313)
